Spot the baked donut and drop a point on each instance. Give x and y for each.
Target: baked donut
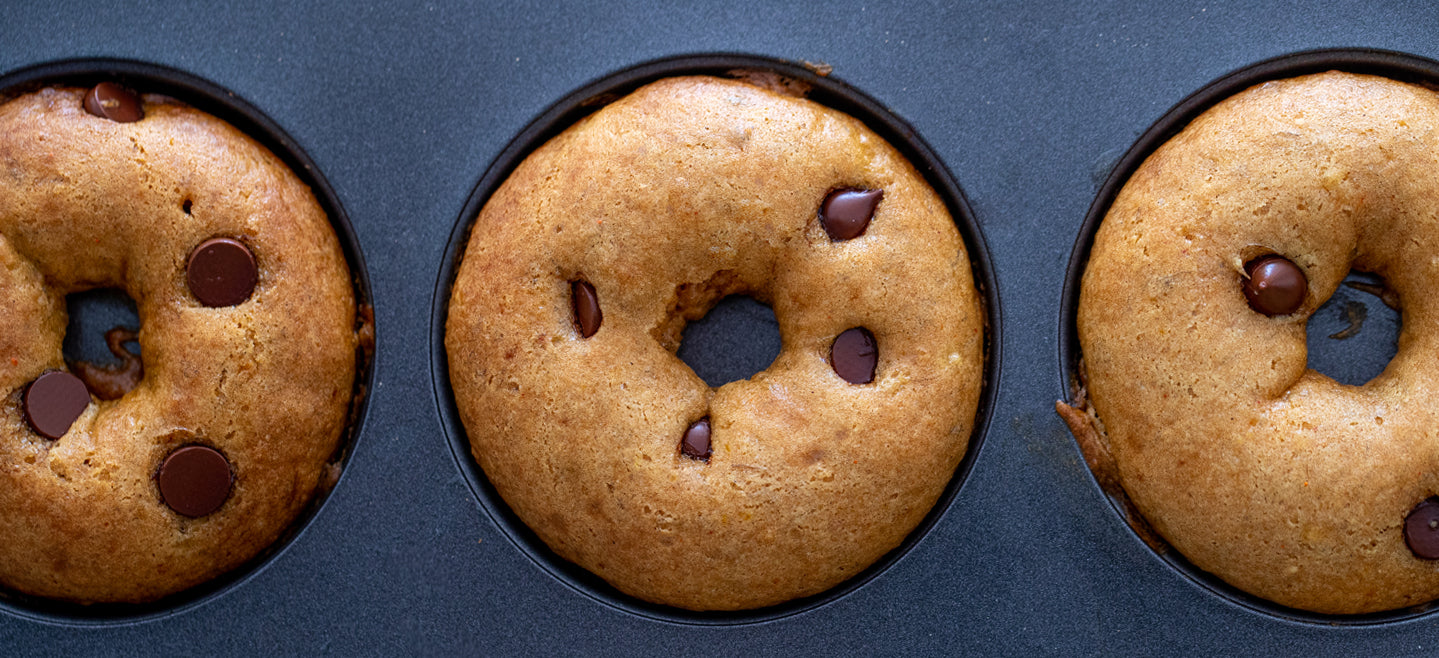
(1275, 478)
(583, 268)
(247, 337)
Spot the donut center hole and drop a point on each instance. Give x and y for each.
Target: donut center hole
(103, 321)
(1352, 337)
(736, 339)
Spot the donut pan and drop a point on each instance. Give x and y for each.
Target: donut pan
(404, 118)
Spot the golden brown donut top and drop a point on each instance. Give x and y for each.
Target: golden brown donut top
(1274, 477)
(89, 202)
(663, 202)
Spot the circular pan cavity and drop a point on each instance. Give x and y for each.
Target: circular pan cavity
(1397, 66)
(822, 88)
(221, 103)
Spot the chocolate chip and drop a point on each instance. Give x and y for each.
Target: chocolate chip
(854, 355)
(221, 272)
(696, 444)
(111, 101)
(1421, 529)
(587, 308)
(194, 480)
(846, 212)
(53, 401)
(1276, 286)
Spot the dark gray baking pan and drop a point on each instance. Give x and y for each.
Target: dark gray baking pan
(415, 111)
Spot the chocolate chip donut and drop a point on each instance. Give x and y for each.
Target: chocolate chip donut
(247, 339)
(583, 268)
(1276, 478)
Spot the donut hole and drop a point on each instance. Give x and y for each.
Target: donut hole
(88, 350)
(737, 338)
(92, 313)
(1354, 334)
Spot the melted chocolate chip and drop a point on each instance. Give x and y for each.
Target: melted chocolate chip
(696, 444)
(221, 272)
(1421, 530)
(111, 101)
(854, 355)
(113, 382)
(1276, 286)
(194, 480)
(587, 308)
(53, 401)
(846, 212)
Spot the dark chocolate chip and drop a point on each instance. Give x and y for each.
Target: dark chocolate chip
(854, 355)
(1276, 286)
(194, 480)
(1421, 530)
(587, 308)
(111, 101)
(696, 444)
(846, 212)
(53, 401)
(221, 272)
(113, 382)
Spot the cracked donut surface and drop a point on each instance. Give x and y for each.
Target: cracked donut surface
(1274, 477)
(258, 387)
(611, 449)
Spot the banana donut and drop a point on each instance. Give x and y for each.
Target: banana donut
(583, 268)
(247, 338)
(1273, 477)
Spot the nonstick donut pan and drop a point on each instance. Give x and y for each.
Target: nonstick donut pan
(403, 118)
